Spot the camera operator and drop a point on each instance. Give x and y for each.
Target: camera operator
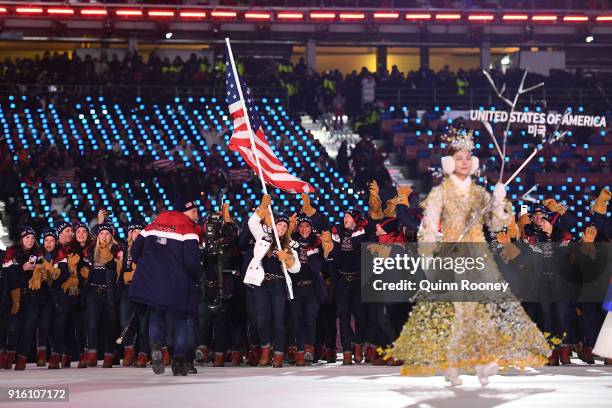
(214, 311)
(167, 279)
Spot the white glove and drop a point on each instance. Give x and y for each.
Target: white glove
(499, 193)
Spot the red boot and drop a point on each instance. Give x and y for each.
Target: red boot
(92, 358)
(309, 354)
(330, 355)
(41, 357)
(202, 355)
(553, 359)
(108, 360)
(608, 361)
(166, 357)
(54, 361)
(141, 360)
(82, 361)
(347, 358)
(278, 360)
(219, 360)
(358, 351)
(264, 359)
(128, 356)
(66, 361)
(393, 362)
(254, 354)
(300, 361)
(369, 354)
(564, 354)
(379, 359)
(20, 364)
(291, 354)
(236, 358)
(9, 359)
(587, 355)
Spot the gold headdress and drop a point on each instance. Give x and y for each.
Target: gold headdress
(459, 139)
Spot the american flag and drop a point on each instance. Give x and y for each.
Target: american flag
(274, 173)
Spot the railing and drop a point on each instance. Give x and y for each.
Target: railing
(425, 98)
(475, 97)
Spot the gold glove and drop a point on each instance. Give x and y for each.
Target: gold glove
(55, 273)
(286, 257)
(307, 208)
(601, 203)
(73, 260)
(509, 252)
(37, 277)
(402, 195)
(71, 286)
(127, 277)
(264, 206)
(503, 237)
(589, 234)
(522, 222)
(513, 229)
(391, 207)
(225, 212)
(326, 243)
(292, 224)
(375, 208)
(84, 271)
(15, 297)
(380, 250)
(554, 206)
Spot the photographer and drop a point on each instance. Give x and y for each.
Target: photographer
(214, 313)
(265, 272)
(168, 257)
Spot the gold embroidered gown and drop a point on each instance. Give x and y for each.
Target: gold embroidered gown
(439, 335)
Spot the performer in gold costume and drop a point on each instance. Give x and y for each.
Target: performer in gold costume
(481, 336)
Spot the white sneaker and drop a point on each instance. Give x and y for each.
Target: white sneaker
(451, 375)
(485, 371)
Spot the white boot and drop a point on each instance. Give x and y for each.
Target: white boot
(452, 376)
(485, 371)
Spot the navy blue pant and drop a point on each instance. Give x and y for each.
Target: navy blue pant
(381, 331)
(101, 318)
(182, 327)
(212, 328)
(348, 302)
(591, 321)
(557, 319)
(139, 329)
(304, 308)
(326, 325)
(252, 336)
(28, 320)
(67, 321)
(270, 307)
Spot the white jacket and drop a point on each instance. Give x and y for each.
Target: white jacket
(263, 239)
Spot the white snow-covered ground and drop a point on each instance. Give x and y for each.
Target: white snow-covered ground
(316, 386)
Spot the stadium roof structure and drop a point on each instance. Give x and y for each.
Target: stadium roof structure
(334, 26)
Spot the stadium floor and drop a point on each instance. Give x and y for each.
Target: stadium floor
(317, 386)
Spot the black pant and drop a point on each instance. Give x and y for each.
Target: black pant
(348, 302)
(67, 320)
(212, 326)
(270, 307)
(101, 316)
(139, 329)
(591, 321)
(29, 317)
(326, 325)
(304, 308)
(383, 332)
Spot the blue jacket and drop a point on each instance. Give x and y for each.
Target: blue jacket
(168, 270)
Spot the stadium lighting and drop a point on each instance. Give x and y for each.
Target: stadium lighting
(574, 19)
(29, 10)
(128, 13)
(60, 11)
(589, 38)
(386, 15)
(544, 18)
(446, 16)
(321, 15)
(505, 60)
(603, 18)
(515, 17)
(481, 17)
(169, 35)
(418, 16)
(192, 14)
(352, 16)
(93, 12)
(161, 13)
(223, 14)
(260, 15)
(290, 15)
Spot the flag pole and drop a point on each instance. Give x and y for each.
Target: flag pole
(259, 170)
